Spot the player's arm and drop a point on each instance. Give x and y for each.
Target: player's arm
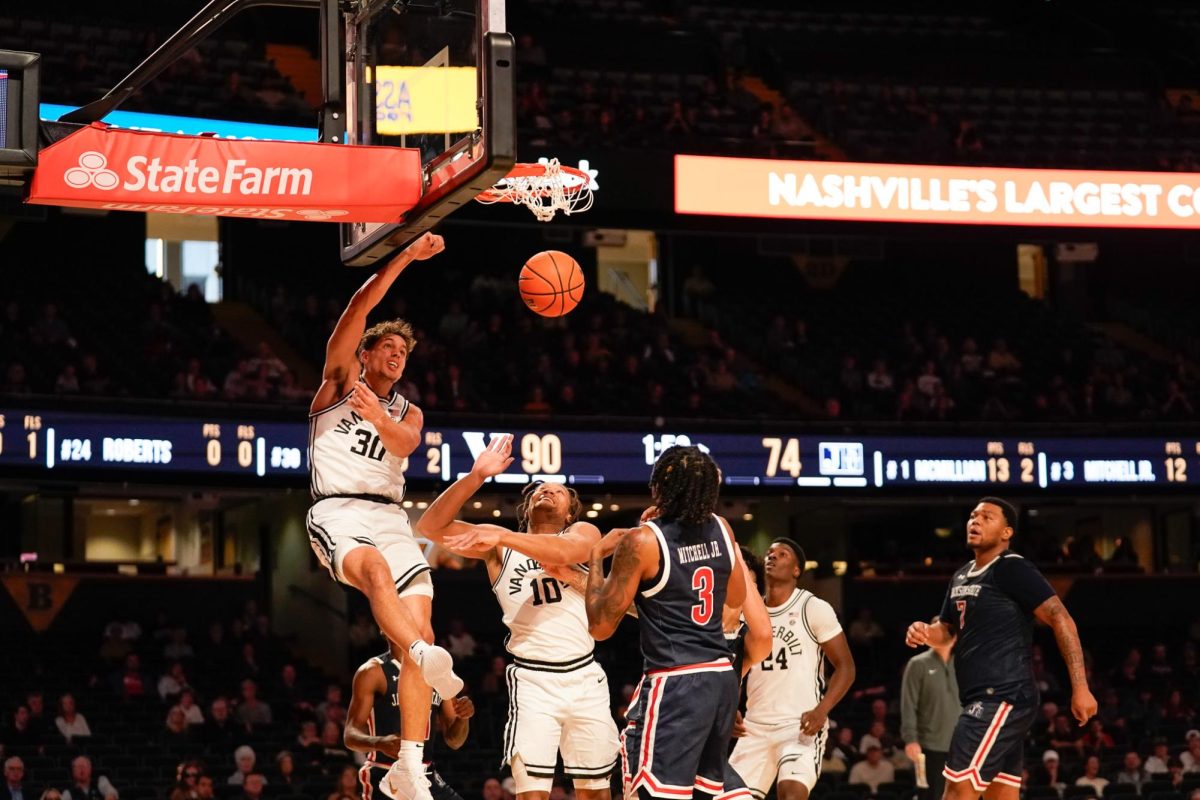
(341, 359)
(400, 437)
(438, 522)
(937, 633)
(607, 598)
(572, 547)
(369, 682)
(823, 623)
(1053, 613)
(575, 577)
(758, 626)
(454, 720)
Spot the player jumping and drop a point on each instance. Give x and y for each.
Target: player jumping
(991, 604)
(558, 695)
(361, 431)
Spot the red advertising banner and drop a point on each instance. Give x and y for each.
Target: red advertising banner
(752, 187)
(124, 170)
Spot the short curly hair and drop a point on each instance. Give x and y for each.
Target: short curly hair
(574, 505)
(393, 327)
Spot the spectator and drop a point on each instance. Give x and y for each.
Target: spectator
(21, 737)
(332, 709)
(1050, 773)
(308, 743)
(220, 730)
(873, 771)
(864, 630)
(460, 642)
(265, 358)
(252, 787)
(844, 748)
(1175, 771)
(171, 684)
(131, 682)
(187, 782)
(178, 649)
(876, 736)
(244, 758)
(14, 787)
(1091, 776)
(1131, 770)
(177, 725)
(286, 780)
(1097, 741)
(346, 787)
(83, 787)
(251, 711)
(290, 695)
(491, 790)
(187, 706)
(1001, 360)
(70, 723)
(51, 329)
(38, 722)
(334, 754)
(1156, 764)
(1190, 758)
(1064, 735)
(67, 381)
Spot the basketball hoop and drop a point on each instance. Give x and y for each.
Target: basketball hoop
(545, 189)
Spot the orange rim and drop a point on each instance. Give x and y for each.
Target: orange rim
(574, 180)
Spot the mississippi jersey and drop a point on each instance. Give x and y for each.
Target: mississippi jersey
(347, 456)
(679, 609)
(546, 623)
(385, 711)
(992, 608)
(791, 679)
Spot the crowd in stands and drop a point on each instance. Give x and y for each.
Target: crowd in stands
(164, 712)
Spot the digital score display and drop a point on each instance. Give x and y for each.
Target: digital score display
(89, 445)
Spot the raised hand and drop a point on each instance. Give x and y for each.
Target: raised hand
(474, 542)
(365, 403)
(426, 247)
(495, 458)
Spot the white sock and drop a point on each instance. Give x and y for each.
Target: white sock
(418, 649)
(412, 755)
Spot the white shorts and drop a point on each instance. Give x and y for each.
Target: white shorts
(777, 752)
(552, 712)
(337, 525)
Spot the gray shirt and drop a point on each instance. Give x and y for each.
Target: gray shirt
(929, 707)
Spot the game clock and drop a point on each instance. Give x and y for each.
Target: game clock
(90, 445)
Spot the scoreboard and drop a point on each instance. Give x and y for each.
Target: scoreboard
(90, 445)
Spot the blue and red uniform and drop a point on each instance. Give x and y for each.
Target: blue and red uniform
(992, 609)
(677, 738)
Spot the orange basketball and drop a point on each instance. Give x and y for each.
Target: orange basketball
(551, 283)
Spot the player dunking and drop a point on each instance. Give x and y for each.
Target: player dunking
(557, 694)
(991, 604)
(375, 706)
(787, 702)
(679, 569)
(360, 433)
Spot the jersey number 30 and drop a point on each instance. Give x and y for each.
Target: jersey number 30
(368, 445)
(702, 582)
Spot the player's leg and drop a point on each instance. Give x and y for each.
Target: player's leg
(800, 766)
(754, 759)
(667, 733)
(415, 696)
(589, 735)
(713, 765)
(533, 731)
(1006, 762)
(963, 781)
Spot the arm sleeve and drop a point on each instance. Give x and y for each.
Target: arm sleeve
(910, 692)
(1022, 581)
(821, 620)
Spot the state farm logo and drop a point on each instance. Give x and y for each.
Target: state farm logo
(92, 171)
(317, 215)
(233, 177)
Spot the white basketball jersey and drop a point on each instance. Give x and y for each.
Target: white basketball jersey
(791, 680)
(347, 456)
(546, 620)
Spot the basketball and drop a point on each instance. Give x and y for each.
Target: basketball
(551, 283)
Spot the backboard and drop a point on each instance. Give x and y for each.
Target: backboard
(436, 75)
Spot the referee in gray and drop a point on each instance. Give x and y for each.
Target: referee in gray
(929, 710)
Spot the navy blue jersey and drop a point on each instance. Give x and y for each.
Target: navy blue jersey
(679, 609)
(992, 608)
(385, 711)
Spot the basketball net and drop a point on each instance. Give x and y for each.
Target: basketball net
(545, 189)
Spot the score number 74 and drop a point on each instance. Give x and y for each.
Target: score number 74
(782, 455)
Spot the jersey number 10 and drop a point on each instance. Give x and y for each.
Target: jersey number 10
(550, 591)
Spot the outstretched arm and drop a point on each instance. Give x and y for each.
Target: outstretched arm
(572, 547)
(438, 521)
(1055, 614)
(608, 598)
(341, 360)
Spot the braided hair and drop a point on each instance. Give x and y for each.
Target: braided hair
(574, 508)
(684, 485)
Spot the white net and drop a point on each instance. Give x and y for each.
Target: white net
(546, 193)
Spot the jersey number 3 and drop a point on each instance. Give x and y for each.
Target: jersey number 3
(702, 582)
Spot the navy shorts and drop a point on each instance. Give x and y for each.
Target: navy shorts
(677, 738)
(988, 744)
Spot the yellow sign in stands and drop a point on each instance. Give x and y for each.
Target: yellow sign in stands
(39, 596)
(425, 100)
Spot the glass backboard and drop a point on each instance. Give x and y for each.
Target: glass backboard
(436, 75)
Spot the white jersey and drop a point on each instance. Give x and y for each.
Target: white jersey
(348, 458)
(791, 680)
(546, 621)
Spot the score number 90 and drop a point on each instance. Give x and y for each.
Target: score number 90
(540, 454)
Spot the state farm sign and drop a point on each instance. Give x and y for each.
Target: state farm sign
(122, 170)
(918, 193)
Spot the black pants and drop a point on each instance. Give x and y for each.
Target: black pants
(934, 761)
